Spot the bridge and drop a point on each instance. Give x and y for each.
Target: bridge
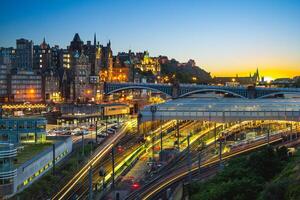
(182, 90)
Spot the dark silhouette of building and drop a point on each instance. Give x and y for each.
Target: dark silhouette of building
(7, 56)
(24, 54)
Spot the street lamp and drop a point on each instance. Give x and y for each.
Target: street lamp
(189, 157)
(200, 151)
(221, 140)
(96, 129)
(153, 109)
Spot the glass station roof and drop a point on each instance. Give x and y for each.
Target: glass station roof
(229, 104)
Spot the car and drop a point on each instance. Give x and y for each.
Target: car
(115, 127)
(110, 132)
(68, 133)
(101, 136)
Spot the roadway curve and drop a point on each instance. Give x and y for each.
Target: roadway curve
(99, 153)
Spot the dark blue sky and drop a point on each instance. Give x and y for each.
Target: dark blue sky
(224, 37)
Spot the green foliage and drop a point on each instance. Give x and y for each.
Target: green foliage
(286, 185)
(275, 191)
(244, 177)
(266, 163)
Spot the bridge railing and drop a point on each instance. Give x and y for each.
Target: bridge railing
(144, 84)
(212, 86)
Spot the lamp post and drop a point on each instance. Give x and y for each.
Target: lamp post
(82, 138)
(268, 134)
(178, 139)
(153, 110)
(161, 137)
(113, 166)
(221, 139)
(215, 133)
(90, 183)
(201, 148)
(96, 129)
(189, 158)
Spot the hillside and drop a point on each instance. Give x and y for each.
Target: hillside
(186, 73)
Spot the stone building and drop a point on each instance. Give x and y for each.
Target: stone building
(51, 86)
(42, 56)
(80, 82)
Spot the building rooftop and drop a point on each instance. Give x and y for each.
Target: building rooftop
(27, 151)
(230, 104)
(224, 109)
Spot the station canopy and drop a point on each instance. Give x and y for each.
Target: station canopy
(224, 109)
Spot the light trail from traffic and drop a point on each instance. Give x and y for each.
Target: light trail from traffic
(95, 158)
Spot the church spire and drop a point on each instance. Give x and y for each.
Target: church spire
(257, 74)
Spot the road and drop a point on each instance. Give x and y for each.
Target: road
(98, 154)
(129, 143)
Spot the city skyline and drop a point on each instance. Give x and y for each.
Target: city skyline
(149, 99)
(223, 38)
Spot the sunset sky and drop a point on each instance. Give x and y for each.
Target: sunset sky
(223, 37)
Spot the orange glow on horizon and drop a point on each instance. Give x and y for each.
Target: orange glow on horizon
(284, 72)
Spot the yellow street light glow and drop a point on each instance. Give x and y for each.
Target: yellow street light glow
(148, 138)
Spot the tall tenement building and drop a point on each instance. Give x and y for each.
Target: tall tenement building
(24, 54)
(106, 62)
(82, 90)
(3, 83)
(51, 86)
(42, 56)
(24, 86)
